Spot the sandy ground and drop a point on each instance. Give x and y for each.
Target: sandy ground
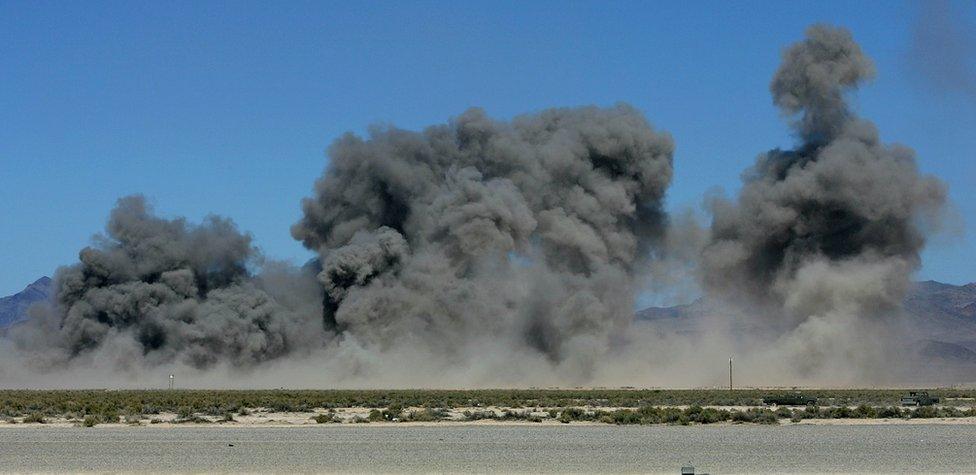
(354, 416)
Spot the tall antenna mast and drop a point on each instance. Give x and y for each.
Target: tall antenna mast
(730, 373)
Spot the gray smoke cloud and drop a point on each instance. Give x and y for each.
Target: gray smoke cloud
(530, 232)
(511, 247)
(824, 238)
(494, 253)
(166, 290)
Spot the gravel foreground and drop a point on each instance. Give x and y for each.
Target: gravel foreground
(484, 448)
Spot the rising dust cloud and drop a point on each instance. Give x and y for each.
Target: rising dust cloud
(490, 253)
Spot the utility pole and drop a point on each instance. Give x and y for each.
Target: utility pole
(730, 373)
(171, 376)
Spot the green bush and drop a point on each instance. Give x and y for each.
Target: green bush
(755, 415)
(426, 415)
(571, 414)
(77, 404)
(34, 418)
(889, 412)
(184, 412)
(324, 418)
(926, 412)
(479, 415)
(90, 421)
(395, 411)
(842, 412)
(865, 412)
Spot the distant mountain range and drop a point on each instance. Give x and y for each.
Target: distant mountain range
(14, 308)
(945, 315)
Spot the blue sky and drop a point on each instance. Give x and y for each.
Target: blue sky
(227, 107)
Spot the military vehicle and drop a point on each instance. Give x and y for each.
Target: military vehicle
(790, 399)
(920, 398)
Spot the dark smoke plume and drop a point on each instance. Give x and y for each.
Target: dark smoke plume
(478, 242)
(483, 252)
(826, 236)
(169, 290)
(529, 232)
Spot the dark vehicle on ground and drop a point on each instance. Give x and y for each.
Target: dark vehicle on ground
(789, 399)
(921, 398)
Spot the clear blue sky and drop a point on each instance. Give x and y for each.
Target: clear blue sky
(227, 107)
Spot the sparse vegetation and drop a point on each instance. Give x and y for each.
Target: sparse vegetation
(34, 418)
(611, 406)
(325, 418)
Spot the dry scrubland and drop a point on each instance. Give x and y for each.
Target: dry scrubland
(609, 406)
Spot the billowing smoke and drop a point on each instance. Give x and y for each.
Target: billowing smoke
(529, 233)
(478, 242)
(824, 238)
(167, 290)
(484, 252)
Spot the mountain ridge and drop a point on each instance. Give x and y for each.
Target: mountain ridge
(13, 308)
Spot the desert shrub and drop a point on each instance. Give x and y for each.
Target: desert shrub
(570, 414)
(865, 412)
(710, 415)
(283, 406)
(950, 411)
(479, 415)
(842, 412)
(243, 412)
(90, 421)
(755, 415)
(741, 416)
(889, 412)
(426, 415)
(228, 417)
(394, 411)
(671, 415)
(110, 415)
(624, 417)
(324, 418)
(766, 417)
(926, 412)
(34, 418)
(57, 403)
(784, 412)
(376, 415)
(184, 412)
